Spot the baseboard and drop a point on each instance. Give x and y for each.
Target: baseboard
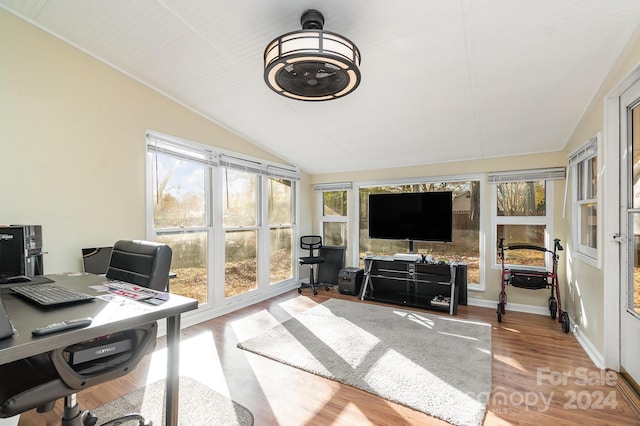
(596, 357)
(514, 307)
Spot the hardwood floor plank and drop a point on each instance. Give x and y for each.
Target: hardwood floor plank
(540, 375)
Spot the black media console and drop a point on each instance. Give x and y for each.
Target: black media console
(424, 285)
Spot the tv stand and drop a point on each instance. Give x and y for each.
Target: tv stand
(419, 284)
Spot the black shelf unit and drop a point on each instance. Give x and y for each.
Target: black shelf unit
(413, 283)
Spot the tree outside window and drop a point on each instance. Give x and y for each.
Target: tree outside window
(465, 246)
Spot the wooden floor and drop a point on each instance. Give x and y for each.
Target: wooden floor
(541, 376)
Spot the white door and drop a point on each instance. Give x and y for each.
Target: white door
(630, 228)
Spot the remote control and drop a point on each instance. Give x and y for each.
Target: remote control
(60, 326)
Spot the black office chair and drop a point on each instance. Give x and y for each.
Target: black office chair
(313, 243)
(143, 263)
(38, 381)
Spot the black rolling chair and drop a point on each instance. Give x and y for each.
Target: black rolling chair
(143, 263)
(38, 381)
(313, 243)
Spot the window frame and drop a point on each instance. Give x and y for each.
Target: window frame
(320, 190)
(546, 175)
(216, 159)
(579, 161)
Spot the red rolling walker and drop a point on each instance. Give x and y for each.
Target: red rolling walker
(533, 278)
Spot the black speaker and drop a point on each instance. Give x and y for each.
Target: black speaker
(350, 280)
(461, 283)
(333, 262)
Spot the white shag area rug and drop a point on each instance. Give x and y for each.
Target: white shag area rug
(198, 405)
(436, 364)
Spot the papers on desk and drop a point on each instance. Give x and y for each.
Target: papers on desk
(136, 292)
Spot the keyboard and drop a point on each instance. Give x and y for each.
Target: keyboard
(51, 295)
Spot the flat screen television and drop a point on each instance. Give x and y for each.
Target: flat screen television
(412, 216)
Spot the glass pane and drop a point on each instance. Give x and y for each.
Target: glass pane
(334, 234)
(280, 202)
(523, 234)
(589, 224)
(238, 198)
(189, 263)
(521, 199)
(334, 203)
(592, 169)
(466, 226)
(634, 277)
(281, 254)
(178, 192)
(580, 190)
(633, 303)
(241, 260)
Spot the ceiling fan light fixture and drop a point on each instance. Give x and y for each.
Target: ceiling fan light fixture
(312, 64)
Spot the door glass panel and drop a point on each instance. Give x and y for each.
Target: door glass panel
(633, 303)
(189, 263)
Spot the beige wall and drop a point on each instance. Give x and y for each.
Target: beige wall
(586, 282)
(72, 155)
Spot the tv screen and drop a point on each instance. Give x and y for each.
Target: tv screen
(413, 216)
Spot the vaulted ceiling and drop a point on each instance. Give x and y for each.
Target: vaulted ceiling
(442, 80)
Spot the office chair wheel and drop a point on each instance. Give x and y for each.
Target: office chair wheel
(327, 288)
(89, 419)
(315, 292)
(299, 290)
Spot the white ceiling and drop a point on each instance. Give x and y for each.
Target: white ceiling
(442, 80)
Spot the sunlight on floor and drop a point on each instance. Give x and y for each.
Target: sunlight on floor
(510, 362)
(198, 359)
(253, 325)
(415, 317)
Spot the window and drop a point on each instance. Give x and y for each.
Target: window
(522, 214)
(334, 213)
(584, 167)
(230, 220)
(466, 225)
(179, 194)
(240, 222)
(281, 231)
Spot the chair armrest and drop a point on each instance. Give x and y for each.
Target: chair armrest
(103, 366)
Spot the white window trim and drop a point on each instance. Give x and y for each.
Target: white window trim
(588, 150)
(322, 219)
(546, 220)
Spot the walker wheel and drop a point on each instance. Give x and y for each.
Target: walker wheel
(566, 322)
(553, 307)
